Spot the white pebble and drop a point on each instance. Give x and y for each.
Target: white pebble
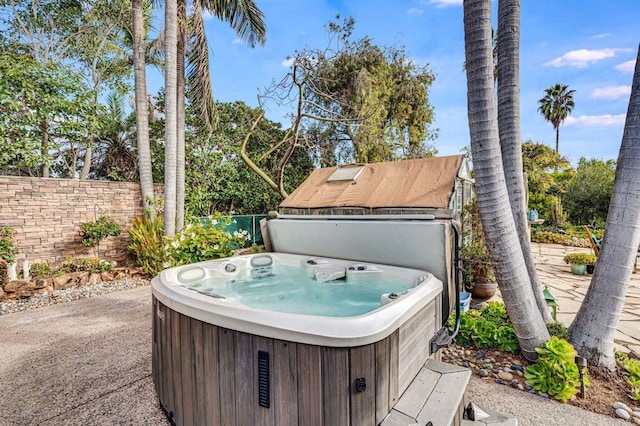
(623, 406)
(623, 414)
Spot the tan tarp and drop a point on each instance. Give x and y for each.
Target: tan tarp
(421, 183)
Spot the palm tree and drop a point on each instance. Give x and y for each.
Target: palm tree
(508, 77)
(556, 105)
(171, 114)
(247, 21)
(142, 105)
(594, 327)
(493, 198)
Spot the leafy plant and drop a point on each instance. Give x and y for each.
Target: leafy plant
(86, 264)
(555, 371)
(474, 255)
(8, 249)
(580, 259)
(557, 329)
(40, 270)
(487, 328)
(204, 240)
(256, 249)
(496, 313)
(631, 368)
(506, 339)
(94, 231)
(147, 243)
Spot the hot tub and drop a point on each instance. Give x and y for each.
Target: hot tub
(287, 339)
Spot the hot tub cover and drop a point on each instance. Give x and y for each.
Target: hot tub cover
(419, 183)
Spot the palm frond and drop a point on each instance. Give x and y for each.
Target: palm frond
(244, 16)
(198, 71)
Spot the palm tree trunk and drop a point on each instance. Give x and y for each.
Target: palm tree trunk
(171, 116)
(180, 153)
(510, 140)
(557, 139)
(594, 327)
(142, 106)
(493, 199)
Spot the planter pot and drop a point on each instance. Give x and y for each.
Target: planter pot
(483, 290)
(578, 269)
(590, 269)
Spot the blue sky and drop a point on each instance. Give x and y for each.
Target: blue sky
(591, 46)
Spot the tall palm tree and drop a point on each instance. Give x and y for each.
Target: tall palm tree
(171, 114)
(508, 77)
(556, 105)
(594, 327)
(493, 198)
(142, 105)
(248, 22)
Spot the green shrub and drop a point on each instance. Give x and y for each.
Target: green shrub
(631, 368)
(487, 328)
(94, 231)
(557, 329)
(506, 339)
(496, 313)
(86, 264)
(8, 249)
(580, 259)
(147, 244)
(555, 371)
(254, 249)
(40, 270)
(204, 241)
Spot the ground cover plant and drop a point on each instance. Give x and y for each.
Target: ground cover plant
(555, 379)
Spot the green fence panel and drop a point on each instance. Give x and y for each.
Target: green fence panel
(249, 223)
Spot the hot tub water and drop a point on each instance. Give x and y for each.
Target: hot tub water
(291, 289)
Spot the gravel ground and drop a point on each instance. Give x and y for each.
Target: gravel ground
(76, 293)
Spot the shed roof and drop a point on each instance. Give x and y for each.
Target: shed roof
(419, 183)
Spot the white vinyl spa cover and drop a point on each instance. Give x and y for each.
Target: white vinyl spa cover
(419, 183)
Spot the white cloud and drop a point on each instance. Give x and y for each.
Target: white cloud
(415, 11)
(582, 57)
(611, 92)
(237, 41)
(446, 3)
(605, 120)
(603, 35)
(288, 63)
(627, 67)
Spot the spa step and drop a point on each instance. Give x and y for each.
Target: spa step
(436, 395)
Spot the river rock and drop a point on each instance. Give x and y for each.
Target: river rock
(503, 375)
(623, 414)
(622, 405)
(483, 373)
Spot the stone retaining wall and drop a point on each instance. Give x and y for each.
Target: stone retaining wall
(46, 213)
